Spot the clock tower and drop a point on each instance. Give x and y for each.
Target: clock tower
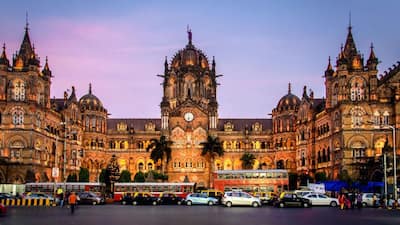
(189, 108)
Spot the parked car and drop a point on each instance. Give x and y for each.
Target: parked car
(214, 193)
(266, 197)
(38, 195)
(368, 199)
(321, 199)
(90, 198)
(232, 198)
(167, 198)
(144, 198)
(3, 210)
(200, 199)
(6, 196)
(302, 193)
(288, 199)
(127, 198)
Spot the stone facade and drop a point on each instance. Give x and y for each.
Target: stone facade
(337, 135)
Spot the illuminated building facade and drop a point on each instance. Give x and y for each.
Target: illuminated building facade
(339, 135)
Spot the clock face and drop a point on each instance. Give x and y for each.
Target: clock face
(188, 116)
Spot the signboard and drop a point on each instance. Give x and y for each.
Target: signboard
(55, 172)
(319, 188)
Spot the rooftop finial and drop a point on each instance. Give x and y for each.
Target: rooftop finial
(329, 63)
(26, 21)
(289, 88)
(349, 20)
(90, 88)
(189, 31)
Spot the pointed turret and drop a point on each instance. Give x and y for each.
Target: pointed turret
(3, 58)
(213, 65)
(46, 69)
(72, 98)
(350, 49)
(26, 49)
(305, 96)
(373, 61)
(329, 71)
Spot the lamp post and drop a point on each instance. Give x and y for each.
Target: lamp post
(394, 162)
(65, 150)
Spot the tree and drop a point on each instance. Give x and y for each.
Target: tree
(72, 178)
(248, 160)
(125, 176)
(83, 175)
(139, 177)
(160, 151)
(104, 176)
(320, 176)
(212, 148)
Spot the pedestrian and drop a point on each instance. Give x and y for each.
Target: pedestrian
(359, 200)
(341, 200)
(72, 201)
(374, 200)
(61, 200)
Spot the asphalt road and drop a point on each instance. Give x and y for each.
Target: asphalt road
(198, 215)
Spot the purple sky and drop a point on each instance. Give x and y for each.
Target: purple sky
(259, 46)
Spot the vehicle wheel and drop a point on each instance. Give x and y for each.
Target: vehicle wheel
(94, 203)
(228, 204)
(123, 202)
(255, 204)
(210, 203)
(179, 203)
(154, 203)
(134, 203)
(189, 203)
(305, 205)
(364, 204)
(333, 204)
(281, 205)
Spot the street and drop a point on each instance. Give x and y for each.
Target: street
(197, 215)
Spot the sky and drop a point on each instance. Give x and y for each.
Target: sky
(259, 46)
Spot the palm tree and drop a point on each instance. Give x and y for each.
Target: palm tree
(212, 148)
(248, 160)
(160, 150)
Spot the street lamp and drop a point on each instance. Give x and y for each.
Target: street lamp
(394, 161)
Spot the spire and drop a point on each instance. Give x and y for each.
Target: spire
(3, 57)
(372, 60)
(26, 49)
(289, 88)
(350, 47)
(213, 64)
(329, 70)
(305, 92)
(72, 97)
(166, 66)
(90, 88)
(46, 69)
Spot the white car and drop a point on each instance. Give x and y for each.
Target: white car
(240, 198)
(368, 199)
(321, 199)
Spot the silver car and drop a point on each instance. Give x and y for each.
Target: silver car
(232, 198)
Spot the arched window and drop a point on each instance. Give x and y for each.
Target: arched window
(18, 117)
(357, 91)
(141, 166)
(19, 90)
(328, 154)
(385, 118)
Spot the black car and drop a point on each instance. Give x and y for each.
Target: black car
(128, 198)
(90, 198)
(140, 198)
(167, 198)
(292, 200)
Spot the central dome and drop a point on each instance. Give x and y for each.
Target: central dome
(190, 56)
(90, 101)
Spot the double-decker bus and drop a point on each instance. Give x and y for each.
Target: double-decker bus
(180, 189)
(49, 187)
(251, 180)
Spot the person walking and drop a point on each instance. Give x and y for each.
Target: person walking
(72, 199)
(341, 200)
(359, 200)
